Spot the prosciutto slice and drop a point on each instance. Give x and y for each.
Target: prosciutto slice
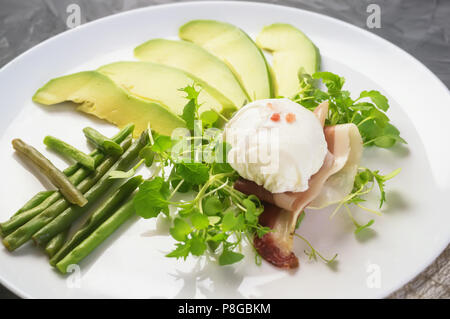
(283, 209)
(347, 147)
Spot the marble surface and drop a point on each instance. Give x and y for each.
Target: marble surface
(421, 27)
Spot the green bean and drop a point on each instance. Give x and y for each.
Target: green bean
(41, 196)
(18, 220)
(34, 201)
(118, 138)
(66, 218)
(69, 151)
(102, 142)
(29, 212)
(22, 234)
(55, 244)
(124, 213)
(98, 217)
(15, 222)
(67, 189)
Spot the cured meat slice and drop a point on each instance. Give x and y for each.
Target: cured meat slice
(272, 246)
(276, 246)
(347, 147)
(331, 183)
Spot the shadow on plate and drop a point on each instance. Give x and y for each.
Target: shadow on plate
(395, 203)
(365, 235)
(207, 271)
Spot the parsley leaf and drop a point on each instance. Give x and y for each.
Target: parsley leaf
(229, 257)
(333, 82)
(229, 221)
(198, 246)
(388, 137)
(184, 188)
(193, 173)
(209, 118)
(212, 206)
(373, 124)
(218, 215)
(182, 251)
(150, 200)
(180, 229)
(162, 144)
(250, 214)
(199, 221)
(189, 112)
(379, 99)
(191, 92)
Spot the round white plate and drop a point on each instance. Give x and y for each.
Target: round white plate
(410, 235)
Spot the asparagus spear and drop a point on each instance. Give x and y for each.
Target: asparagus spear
(22, 234)
(118, 138)
(66, 218)
(70, 192)
(98, 217)
(69, 151)
(124, 213)
(102, 142)
(57, 199)
(55, 244)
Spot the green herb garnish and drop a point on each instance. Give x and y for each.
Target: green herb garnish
(219, 217)
(367, 111)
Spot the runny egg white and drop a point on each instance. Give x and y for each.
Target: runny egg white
(276, 143)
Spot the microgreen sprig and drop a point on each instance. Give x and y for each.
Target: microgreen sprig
(219, 218)
(367, 112)
(313, 253)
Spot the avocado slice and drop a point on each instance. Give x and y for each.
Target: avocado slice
(234, 47)
(100, 96)
(195, 60)
(292, 50)
(162, 84)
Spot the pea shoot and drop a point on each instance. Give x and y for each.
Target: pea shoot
(219, 218)
(368, 113)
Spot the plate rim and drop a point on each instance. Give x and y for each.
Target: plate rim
(10, 286)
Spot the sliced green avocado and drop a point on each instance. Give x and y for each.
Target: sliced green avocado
(237, 50)
(292, 50)
(195, 60)
(162, 84)
(99, 95)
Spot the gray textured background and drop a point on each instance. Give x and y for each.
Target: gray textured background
(421, 27)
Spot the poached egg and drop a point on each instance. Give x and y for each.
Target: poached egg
(277, 144)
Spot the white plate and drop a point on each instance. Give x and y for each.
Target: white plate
(411, 234)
